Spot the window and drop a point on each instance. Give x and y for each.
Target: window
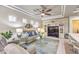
(12, 18)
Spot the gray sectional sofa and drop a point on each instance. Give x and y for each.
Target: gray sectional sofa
(13, 48)
(24, 38)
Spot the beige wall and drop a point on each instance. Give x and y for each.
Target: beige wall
(4, 28)
(4, 13)
(57, 22)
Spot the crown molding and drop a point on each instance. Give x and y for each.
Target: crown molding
(19, 10)
(52, 17)
(32, 15)
(57, 16)
(63, 8)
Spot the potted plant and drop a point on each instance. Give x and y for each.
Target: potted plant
(7, 34)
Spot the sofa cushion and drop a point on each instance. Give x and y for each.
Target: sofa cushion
(15, 49)
(30, 33)
(3, 41)
(35, 32)
(24, 35)
(31, 49)
(1, 47)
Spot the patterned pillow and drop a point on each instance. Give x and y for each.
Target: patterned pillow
(24, 35)
(35, 32)
(3, 41)
(1, 46)
(30, 33)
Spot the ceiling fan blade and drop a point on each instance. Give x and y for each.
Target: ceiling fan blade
(42, 16)
(37, 10)
(48, 10)
(43, 7)
(47, 14)
(37, 13)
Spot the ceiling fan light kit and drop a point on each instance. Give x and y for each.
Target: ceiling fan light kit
(42, 14)
(43, 11)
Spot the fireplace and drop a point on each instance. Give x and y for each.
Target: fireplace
(53, 31)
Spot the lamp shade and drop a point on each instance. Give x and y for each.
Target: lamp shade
(38, 29)
(19, 30)
(42, 30)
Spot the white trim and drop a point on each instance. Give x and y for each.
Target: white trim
(28, 13)
(58, 16)
(61, 47)
(18, 9)
(52, 17)
(32, 16)
(63, 10)
(14, 9)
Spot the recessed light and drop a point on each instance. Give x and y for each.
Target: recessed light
(42, 14)
(76, 11)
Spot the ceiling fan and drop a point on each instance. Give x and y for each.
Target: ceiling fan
(44, 11)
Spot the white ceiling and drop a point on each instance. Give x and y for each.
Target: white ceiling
(58, 11)
(69, 10)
